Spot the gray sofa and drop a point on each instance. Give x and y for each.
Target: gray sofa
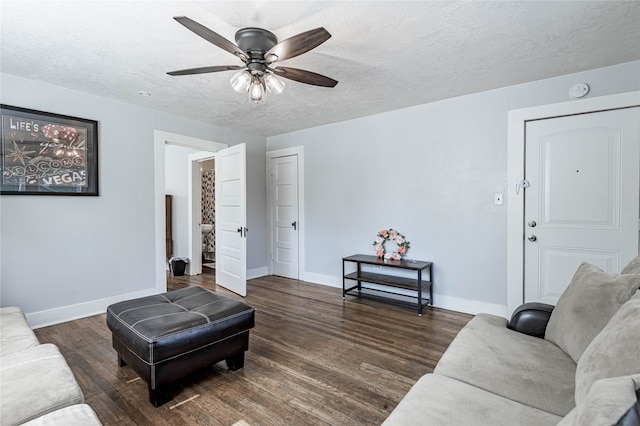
(583, 369)
(37, 387)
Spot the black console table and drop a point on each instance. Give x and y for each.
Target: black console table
(387, 287)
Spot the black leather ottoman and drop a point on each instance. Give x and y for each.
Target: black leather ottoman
(167, 336)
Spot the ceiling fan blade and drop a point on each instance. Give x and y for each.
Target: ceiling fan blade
(203, 70)
(297, 45)
(303, 76)
(212, 37)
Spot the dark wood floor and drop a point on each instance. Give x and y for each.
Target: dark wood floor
(313, 359)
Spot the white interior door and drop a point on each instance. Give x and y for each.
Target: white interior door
(583, 199)
(231, 219)
(284, 214)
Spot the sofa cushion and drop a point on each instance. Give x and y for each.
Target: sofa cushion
(614, 352)
(440, 400)
(633, 267)
(75, 415)
(527, 369)
(15, 333)
(585, 307)
(607, 401)
(35, 381)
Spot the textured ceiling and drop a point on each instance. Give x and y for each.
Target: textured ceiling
(385, 55)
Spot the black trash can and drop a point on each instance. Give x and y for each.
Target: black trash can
(177, 266)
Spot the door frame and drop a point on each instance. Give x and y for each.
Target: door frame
(515, 170)
(299, 151)
(162, 138)
(194, 184)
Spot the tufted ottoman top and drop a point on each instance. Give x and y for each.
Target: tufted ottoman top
(162, 326)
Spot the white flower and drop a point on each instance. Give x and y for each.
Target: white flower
(394, 236)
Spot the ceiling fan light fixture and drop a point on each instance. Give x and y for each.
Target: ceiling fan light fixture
(257, 91)
(258, 48)
(274, 84)
(241, 81)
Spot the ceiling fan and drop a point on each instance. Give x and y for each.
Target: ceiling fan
(258, 49)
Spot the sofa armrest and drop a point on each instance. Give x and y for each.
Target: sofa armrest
(531, 318)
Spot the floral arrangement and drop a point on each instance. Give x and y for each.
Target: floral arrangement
(390, 235)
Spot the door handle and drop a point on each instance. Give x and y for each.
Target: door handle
(243, 231)
(294, 224)
(532, 238)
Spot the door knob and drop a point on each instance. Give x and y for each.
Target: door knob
(532, 238)
(294, 224)
(532, 223)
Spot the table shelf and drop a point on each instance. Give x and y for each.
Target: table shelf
(399, 290)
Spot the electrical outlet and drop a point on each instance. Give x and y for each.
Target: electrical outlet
(497, 199)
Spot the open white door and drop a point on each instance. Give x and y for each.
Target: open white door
(231, 219)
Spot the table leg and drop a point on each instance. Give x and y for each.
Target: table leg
(420, 293)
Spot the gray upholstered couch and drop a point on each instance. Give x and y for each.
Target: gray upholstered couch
(584, 368)
(37, 387)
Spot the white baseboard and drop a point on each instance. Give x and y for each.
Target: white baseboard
(95, 307)
(263, 271)
(446, 302)
(327, 280)
(81, 310)
(469, 306)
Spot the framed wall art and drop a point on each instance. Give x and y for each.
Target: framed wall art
(42, 153)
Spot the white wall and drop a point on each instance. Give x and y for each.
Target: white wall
(430, 172)
(256, 210)
(64, 257)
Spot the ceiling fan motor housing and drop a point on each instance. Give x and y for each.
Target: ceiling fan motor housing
(256, 42)
(258, 39)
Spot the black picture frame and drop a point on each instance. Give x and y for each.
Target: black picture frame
(43, 153)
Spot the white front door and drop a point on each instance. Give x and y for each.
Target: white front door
(231, 219)
(583, 200)
(284, 213)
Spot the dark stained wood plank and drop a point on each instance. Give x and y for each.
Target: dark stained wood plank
(313, 359)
